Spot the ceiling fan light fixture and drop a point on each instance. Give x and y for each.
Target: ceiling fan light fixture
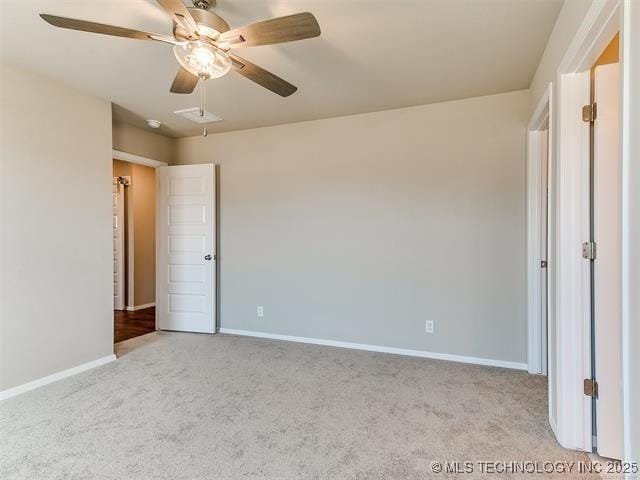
(207, 31)
(202, 59)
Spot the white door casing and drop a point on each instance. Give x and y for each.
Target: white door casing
(607, 217)
(185, 283)
(539, 173)
(118, 245)
(544, 255)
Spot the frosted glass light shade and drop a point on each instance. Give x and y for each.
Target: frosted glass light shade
(202, 59)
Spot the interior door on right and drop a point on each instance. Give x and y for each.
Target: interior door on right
(607, 215)
(185, 274)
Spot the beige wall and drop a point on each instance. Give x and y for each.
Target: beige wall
(611, 54)
(130, 139)
(360, 228)
(121, 169)
(56, 287)
(143, 195)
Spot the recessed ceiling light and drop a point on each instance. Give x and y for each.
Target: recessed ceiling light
(153, 123)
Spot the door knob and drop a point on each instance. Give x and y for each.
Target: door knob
(207, 257)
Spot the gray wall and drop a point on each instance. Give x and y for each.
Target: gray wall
(360, 228)
(56, 290)
(134, 140)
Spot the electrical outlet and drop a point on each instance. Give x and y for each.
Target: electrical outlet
(260, 311)
(428, 326)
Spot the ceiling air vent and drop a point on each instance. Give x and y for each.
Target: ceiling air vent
(193, 115)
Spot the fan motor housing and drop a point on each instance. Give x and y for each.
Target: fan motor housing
(204, 4)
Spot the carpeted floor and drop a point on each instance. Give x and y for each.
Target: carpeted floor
(186, 406)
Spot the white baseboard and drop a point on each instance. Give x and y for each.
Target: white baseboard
(141, 307)
(378, 348)
(12, 392)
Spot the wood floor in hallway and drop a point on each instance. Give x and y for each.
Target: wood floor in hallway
(128, 325)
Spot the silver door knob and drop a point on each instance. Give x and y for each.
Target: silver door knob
(207, 257)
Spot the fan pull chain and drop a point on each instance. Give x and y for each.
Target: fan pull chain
(202, 104)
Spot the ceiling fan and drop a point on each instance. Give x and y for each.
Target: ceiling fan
(202, 43)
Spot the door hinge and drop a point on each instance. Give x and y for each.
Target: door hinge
(590, 387)
(543, 264)
(589, 250)
(589, 113)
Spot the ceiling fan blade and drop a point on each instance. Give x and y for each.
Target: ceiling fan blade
(262, 77)
(276, 30)
(180, 14)
(185, 82)
(101, 28)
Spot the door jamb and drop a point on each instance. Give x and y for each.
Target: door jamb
(536, 338)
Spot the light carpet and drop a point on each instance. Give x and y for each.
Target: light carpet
(187, 406)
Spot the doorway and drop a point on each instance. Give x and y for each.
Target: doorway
(571, 341)
(134, 249)
(578, 414)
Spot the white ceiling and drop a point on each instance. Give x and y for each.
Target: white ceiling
(372, 55)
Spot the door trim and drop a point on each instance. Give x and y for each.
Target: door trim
(131, 158)
(536, 338)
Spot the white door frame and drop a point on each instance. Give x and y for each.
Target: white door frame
(131, 158)
(536, 329)
(572, 424)
(630, 164)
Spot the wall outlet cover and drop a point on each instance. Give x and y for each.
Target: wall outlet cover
(428, 326)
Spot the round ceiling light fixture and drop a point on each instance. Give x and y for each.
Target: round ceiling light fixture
(202, 59)
(153, 123)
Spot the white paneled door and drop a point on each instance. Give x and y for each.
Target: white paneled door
(607, 215)
(186, 260)
(118, 245)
